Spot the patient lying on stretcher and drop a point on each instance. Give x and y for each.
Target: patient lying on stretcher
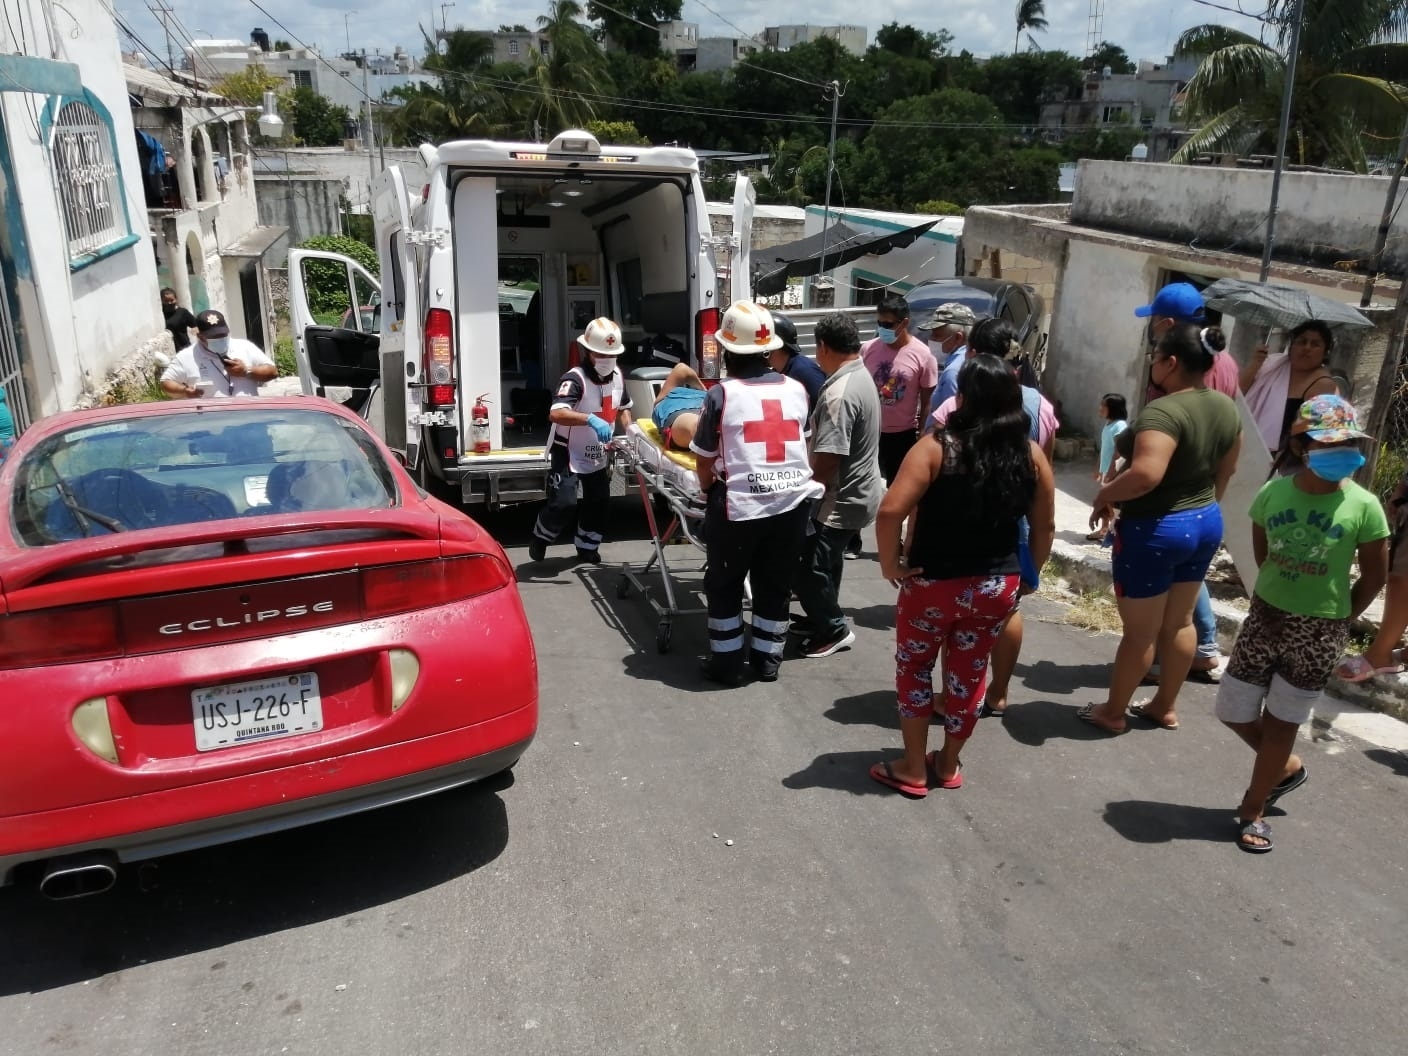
(677, 407)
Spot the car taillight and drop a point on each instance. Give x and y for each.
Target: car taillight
(439, 358)
(706, 325)
(57, 636)
(421, 584)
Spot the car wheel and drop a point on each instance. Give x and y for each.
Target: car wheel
(663, 635)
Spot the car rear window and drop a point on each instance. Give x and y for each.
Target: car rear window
(164, 470)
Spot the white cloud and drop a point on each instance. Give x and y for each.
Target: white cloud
(1144, 28)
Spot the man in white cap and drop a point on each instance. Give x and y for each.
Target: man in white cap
(591, 401)
(217, 364)
(753, 466)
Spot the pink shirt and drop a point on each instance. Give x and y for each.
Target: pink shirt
(1046, 425)
(1223, 375)
(899, 374)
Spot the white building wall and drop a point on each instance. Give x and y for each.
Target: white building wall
(77, 325)
(1322, 218)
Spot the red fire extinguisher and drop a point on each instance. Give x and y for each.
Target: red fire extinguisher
(479, 424)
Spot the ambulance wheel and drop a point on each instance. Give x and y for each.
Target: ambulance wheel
(663, 634)
(623, 587)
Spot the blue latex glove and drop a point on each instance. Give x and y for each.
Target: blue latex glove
(602, 430)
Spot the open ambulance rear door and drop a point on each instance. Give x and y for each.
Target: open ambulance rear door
(396, 248)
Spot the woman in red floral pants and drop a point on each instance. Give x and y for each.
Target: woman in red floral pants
(969, 486)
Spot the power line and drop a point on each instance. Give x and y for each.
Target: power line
(293, 37)
(1265, 16)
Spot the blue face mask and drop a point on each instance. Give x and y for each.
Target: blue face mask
(886, 334)
(1335, 464)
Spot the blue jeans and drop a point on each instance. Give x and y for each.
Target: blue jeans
(1206, 623)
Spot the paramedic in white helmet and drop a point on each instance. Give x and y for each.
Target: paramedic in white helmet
(591, 401)
(753, 466)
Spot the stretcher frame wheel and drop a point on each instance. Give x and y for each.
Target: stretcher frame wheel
(664, 633)
(623, 587)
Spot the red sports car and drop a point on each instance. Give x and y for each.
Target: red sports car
(221, 618)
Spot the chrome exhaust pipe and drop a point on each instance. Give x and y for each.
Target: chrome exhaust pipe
(77, 875)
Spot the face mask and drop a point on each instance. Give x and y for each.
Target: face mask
(604, 366)
(886, 334)
(219, 345)
(1334, 464)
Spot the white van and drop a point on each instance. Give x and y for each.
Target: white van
(493, 259)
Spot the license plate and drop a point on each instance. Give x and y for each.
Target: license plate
(244, 712)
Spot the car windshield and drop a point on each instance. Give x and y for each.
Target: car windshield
(162, 470)
(924, 299)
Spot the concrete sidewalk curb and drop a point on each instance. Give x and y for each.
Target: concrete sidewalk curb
(1086, 572)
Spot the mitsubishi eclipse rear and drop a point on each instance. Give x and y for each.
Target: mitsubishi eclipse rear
(227, 617)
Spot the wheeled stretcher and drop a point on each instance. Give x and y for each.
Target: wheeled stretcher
(667, 478)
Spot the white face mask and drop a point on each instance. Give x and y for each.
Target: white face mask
(604, 366)
(219, 345)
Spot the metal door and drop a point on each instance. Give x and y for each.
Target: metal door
(11, 376)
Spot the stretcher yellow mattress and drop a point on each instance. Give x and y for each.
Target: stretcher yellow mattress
(675, 466)
(652, 434)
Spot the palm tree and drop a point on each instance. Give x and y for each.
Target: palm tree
(1031, 15)
(1349, 82)
(570, 74)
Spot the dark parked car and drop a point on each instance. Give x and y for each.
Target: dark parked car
(1020, 305)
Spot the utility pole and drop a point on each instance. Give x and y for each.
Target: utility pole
(163, 12)
(444, 27)
(1287, 94)
(836, 92)
(347, 29)
(1376, 258)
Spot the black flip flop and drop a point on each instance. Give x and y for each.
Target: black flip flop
(1290, 784)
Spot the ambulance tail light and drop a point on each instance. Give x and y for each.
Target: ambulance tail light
(706, 326)
(439, 359)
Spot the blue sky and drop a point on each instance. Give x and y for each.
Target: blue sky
(1145, 28)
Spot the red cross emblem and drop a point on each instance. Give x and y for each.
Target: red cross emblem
(773, 431)
(764, 335)
(610, 340)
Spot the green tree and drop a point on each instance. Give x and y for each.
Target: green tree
(567, 80)
(1111, 55)
(1350, 71)
(912, 43)
(281, 45)
(621, 23)
(932, 146)
(465, 100)
(1018, 85)
(314, 119)
(621, 133)
(249, 85)
(1031, 16)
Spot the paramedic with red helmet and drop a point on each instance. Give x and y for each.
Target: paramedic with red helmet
(591, 400)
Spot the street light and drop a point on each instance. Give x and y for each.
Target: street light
(443, 26)
(270, 123)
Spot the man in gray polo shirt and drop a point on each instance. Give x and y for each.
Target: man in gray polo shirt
(845, 446)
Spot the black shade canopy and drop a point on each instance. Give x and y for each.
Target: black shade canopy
(772, 267)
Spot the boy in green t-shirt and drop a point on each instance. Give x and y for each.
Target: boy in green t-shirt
(1307, 531)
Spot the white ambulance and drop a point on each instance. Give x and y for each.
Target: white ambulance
(493, 257)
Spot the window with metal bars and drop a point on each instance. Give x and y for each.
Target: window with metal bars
(90, 187)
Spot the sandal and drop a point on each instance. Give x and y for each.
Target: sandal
(931, 763)
(1357, 669)
(1141, 711)
(1257, 829)
(1087, 715)
(1289, 784)
(885, 774)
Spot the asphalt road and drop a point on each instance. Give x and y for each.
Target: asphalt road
(1079, 895)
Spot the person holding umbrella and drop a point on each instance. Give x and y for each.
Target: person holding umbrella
(1276, 386)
